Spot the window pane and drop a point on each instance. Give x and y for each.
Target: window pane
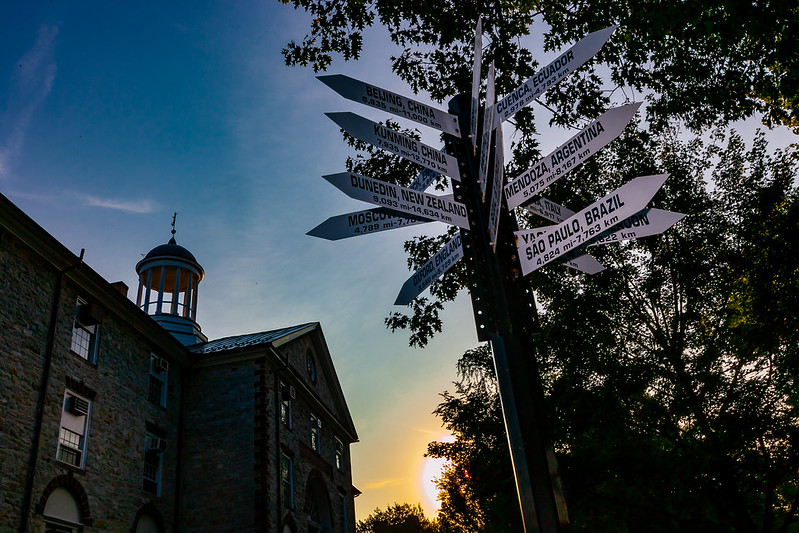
(81, 341)
(70, 447)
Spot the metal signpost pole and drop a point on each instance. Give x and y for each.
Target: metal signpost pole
(505, 315)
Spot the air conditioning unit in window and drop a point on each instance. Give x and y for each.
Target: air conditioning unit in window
(289, 393)
(155, 444)
(77, 406)
(89, 314)
(161, 364)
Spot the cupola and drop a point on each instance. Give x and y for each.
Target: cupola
(169, 277)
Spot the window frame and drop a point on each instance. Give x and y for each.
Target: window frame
(160, 376)
(316, 434)
(69, 423)
(287, 480)
(85, 348)
(159, 468)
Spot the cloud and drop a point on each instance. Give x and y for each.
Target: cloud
(130, 206)
(30, 84)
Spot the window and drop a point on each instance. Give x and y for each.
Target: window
(316, 426)
(287, 395)
(310, 365)
(287, 480)
(339, 454)
(61, 513)
(153, 459)
(85, 329)
(159, 367)
(74, 429)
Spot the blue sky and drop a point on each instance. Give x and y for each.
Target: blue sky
(113, 115)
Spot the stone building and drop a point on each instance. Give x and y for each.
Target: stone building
(118, 415)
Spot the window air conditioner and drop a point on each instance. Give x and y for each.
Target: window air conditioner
(155, 444)
(289, 392)
(89, 314)
(77, 406)
(162, 364)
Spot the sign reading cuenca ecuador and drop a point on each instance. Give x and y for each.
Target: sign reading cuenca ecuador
(442, 260)
(540, 246)
(567, 156)
(402, 199)
(399, 143)
(394, 103)
(550, 75)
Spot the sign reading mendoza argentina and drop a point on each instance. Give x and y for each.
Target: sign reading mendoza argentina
(385, 100)
(567, 156)
(399, 143)
(539, 246)
(565, 64)
(402, 199)
(442, 260)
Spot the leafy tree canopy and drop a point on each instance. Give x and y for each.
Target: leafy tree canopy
(397, 518)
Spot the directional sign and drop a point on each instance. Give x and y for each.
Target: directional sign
(585, 263)
(567, 156)
(488, 128)
(476, 71)
(496, 188)
(646, 222)
(565, 64)
(364, 223)
(385, 100)
(539, 246)
(401, 199)
(642, 224)
(448, 255)
(423, 180)
(399, 143)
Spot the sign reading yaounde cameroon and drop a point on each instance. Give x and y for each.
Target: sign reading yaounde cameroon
(442, 260)
(385, 100)
(402, 199)
(567, 156)
(540, 246)
(642, 224)
(398, 143)
(550, 75)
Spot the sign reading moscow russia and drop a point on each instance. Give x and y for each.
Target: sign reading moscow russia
(399, 105)
(440, 208)
(364, 223)
(539, 246)
(442, 260)
(565, 64)
(568, 155)
(399, 143)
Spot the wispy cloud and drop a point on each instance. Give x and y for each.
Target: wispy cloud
(130, 206)
(30, 84)
(383, 483)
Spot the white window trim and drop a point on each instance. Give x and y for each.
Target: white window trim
(85, 435)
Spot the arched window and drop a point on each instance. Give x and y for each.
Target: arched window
(61, 513)
(317, 505)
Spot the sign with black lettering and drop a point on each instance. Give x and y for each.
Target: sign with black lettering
(402, 199)
(476, 72)
(442, 260)
(391, 102)
(364, 223)
(398, 143)
(488, 129)
(569, 155)
(565, 64)
(496, 188)
(540, 246)
(642, 224)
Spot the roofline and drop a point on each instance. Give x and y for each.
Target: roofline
(56, 254)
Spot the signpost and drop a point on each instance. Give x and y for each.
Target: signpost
(568, 155)
(550, 75)
(489, 242)
(396, 142)
(402, 199)
(394, 103)
(442, 260)
(539, 246)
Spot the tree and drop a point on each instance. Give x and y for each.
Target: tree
(397, 518)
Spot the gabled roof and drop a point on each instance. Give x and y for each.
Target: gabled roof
(274, 336)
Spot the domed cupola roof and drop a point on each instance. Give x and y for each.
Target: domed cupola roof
(171, 250)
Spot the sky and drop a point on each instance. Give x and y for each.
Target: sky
(114, 115)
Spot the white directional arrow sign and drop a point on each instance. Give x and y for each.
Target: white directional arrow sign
(448, 255)
(649, 221)
(402, 199)
(389, 101)
(476, 71)
(569, 155)
(642, 224)
(364, 223)
(396, 142)
(565, 64)
(540, 246)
